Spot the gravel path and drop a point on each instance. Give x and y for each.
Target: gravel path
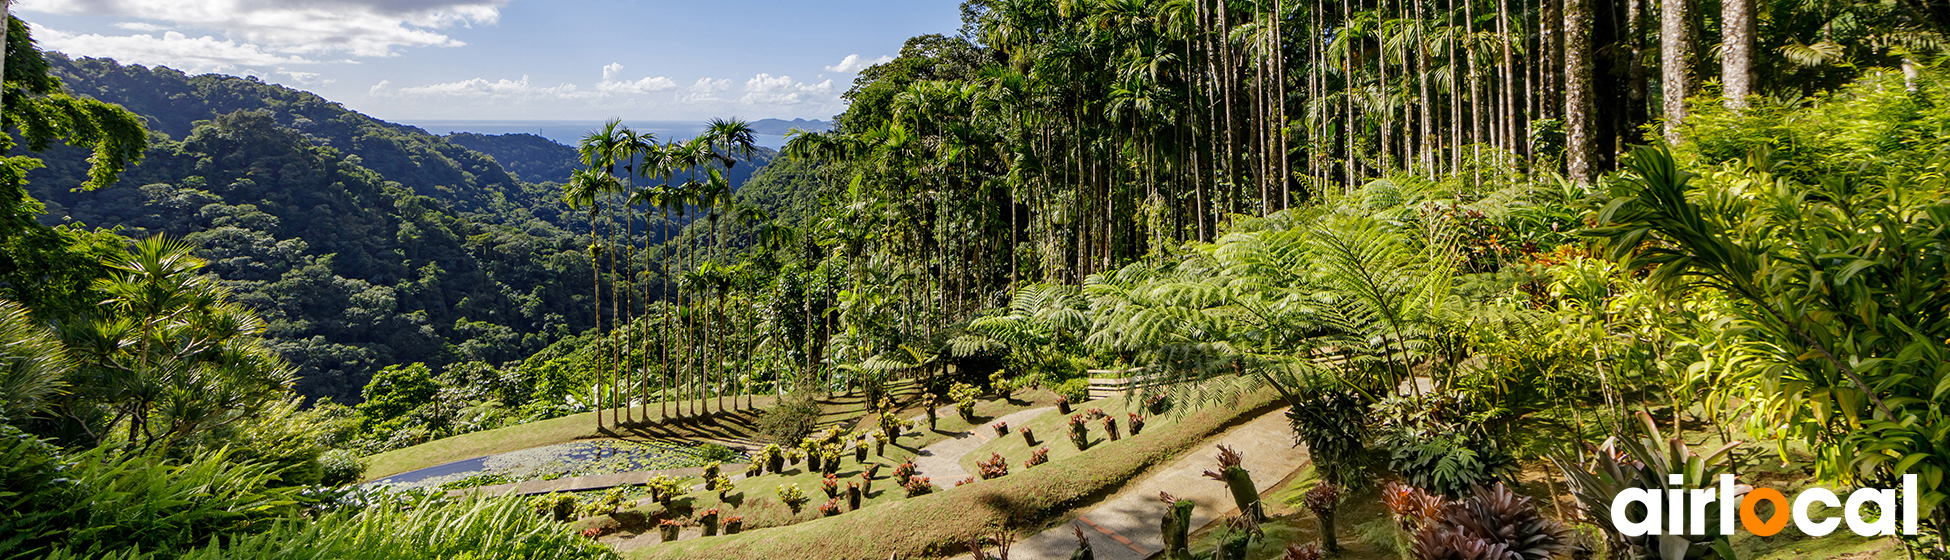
(941, 462)
(1125, 527)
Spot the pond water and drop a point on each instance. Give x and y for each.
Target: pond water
(562, 460)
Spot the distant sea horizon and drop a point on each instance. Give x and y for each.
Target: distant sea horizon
(569, 132)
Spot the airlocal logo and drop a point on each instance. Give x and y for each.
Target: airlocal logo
(1683, 505)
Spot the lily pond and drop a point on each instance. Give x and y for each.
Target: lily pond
(563, 460)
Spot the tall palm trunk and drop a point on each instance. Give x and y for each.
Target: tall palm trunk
(1675, 57)
(1579, 125)
(1737, 51)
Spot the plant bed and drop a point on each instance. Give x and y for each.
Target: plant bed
(941, 523)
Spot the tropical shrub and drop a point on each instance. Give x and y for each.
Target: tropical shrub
(1492, 519)
(994, 467)
(1071, 391)
(1137, 424)
(427, 528)
(1037, 457)
(665, 489)
(1240, 482)
(964, 396)
(903, 472)
(556, 505)
(716, 453)
(734, 524)
(853, 496)
(792, 419)
(1435, 452)
(339, 467)
(774, 458)
(1648, 462)
(830, 508)
(1334, 427)
(792, 497)
(918, 486)
(831, 485)
(1079, 433)
(1157, 404)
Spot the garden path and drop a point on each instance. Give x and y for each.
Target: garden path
(1125, 527)
(941, 462)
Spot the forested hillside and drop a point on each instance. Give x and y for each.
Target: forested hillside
(362, 243)
(529, 157)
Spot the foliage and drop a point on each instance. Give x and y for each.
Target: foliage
(1322, 500)
(1491, 523)
(918, 486)
(1829, 282)
(794, 418)
(964, 396)
(432, 528)
(994, 467)
(1037, 457)
(1079, 432)
(792, 497)
(1435, 449)
(33, 363)
(1648, 461)
(338, 467)
(1334, 425)
(105, 500)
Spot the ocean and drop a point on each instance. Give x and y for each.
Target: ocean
(569, 132)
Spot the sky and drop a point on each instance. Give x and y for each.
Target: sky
(407, 60)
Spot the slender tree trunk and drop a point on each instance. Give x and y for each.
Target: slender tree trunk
(1737, 52)
(1675, 58)
(1579, 137)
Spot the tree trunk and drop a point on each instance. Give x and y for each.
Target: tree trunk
(1578, 97)
(1737, 51)
(1675, 57)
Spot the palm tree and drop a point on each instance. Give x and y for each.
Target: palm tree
(585, 190)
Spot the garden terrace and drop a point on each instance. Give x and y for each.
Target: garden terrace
(941, 523)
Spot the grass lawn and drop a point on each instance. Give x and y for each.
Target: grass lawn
(737, 427)
(756, 499)
(1052, 430)
(729, 425)
(1026, 501)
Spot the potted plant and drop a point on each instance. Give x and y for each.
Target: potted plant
(1038, 457)
(668, 529)
(1001, 429)
(830, 508)
(709, 521)
(1137, 424)
(1110, 427)
(733, 524)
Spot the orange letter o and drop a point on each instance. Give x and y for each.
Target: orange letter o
(1752, 521)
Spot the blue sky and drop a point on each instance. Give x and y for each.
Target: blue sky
(408, 60)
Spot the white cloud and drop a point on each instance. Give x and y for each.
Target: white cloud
(612, 70)
(194, 55)
(782, 90)
(646, 85)
(707, 85)
(140, 26)
(480, 87)
(853, 64)
(356, 27)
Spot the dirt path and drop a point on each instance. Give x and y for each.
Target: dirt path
(1125, 527)
(941, 462)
